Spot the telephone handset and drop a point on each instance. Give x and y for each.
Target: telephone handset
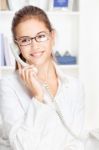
(16, 53)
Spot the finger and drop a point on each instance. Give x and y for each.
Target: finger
(32, 78)
(35, 70)
(28, 69)
(25, 74)
(30, 72)
(23, 71)
(33, 67)
(19, 67)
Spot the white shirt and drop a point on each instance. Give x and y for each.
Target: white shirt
(28, 124)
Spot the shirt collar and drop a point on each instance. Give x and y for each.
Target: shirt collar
(61, 75)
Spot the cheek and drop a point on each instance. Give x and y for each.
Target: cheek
(24, 50)
(51, 44)
(24, 54)
(49, 47)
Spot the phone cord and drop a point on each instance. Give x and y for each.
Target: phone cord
(59, 113)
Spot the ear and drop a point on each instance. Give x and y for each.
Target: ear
(53, 35)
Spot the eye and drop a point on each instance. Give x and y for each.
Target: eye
(25, 40)
(41, 35)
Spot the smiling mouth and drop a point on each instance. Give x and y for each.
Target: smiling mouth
(37, 54)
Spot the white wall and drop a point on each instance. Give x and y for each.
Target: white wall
(89, 59)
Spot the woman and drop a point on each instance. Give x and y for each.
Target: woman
(41, 108)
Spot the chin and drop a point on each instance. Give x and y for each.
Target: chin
(37, 63)
(40, 61)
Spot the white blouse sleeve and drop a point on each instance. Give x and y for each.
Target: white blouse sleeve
(78, 109)
(76, 141)
(10, 111)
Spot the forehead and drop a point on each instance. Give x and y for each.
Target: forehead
(30, 27)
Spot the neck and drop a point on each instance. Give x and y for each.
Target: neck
(45, 71)
(48, 78)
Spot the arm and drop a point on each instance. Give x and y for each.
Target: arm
(71, 105)
(77, 110)
(30, 130)
(15, 122)
(10, 110)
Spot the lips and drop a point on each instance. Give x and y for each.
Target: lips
(37, 54)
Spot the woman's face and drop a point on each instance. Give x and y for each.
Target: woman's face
(38, 50)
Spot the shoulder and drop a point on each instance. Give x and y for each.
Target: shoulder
(68, 80)
(13, 91)
(73, 82)
(72, 85)
(75, 90)
(11, 84)
(10, 80)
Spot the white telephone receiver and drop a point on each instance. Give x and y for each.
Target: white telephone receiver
(16, 53)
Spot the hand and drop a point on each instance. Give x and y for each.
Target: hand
(29, 75)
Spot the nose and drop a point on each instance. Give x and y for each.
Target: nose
(34, 44)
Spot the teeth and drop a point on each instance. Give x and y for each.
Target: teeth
(37, 54)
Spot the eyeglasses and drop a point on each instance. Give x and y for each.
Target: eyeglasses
(26, 40)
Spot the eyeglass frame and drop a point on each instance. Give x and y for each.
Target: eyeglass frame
(31, 38)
